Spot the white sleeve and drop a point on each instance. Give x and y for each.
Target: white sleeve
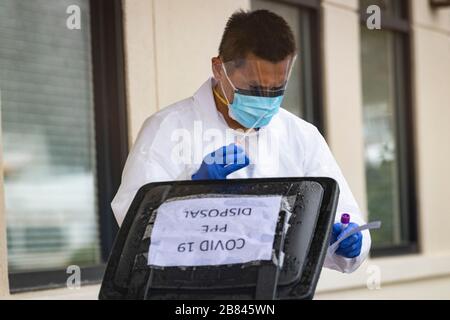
(320, 162)
(148, 161)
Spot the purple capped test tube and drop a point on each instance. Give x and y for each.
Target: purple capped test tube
(345, 220)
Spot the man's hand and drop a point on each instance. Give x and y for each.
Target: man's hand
(350, 247)
(222, 162)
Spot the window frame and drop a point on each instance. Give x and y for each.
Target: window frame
(313, 112)
(111, 134)
(404, 119)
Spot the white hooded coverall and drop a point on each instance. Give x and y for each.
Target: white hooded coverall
(296, 149)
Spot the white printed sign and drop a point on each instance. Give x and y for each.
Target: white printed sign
(214, 231)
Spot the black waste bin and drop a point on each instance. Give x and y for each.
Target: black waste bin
(310, 206)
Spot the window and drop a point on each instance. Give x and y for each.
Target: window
(387, 127)
(303, 96)
(60, 168)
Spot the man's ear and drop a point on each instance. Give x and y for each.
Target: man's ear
(216, 64)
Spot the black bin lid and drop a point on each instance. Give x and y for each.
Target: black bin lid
(313, 203)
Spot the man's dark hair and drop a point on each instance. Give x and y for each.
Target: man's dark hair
(261, 32)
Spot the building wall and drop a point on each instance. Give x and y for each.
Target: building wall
(432, 116)
(343, 93)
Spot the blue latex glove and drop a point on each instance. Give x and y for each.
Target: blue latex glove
(350, 247)
(222, 162)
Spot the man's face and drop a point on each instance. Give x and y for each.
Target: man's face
(253, 74)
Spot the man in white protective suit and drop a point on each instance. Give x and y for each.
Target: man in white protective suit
(234, 127)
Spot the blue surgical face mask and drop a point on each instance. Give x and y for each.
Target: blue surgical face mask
(253, 111)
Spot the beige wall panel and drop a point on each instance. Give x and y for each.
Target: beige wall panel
(343, 101)
(142, 99)
(347, 4)
(424, 15)
(432, 114)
